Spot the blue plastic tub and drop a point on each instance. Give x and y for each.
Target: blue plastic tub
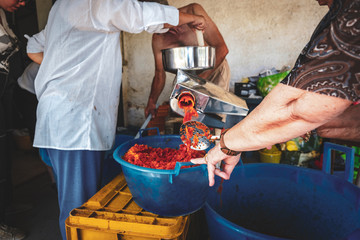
(276, 201)
(165, 192)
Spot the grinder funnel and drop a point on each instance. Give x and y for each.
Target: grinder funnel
(210, 99)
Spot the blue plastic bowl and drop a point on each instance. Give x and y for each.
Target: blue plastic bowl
(171, 193)
(276, 201)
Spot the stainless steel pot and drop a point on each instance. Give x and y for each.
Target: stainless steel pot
(188, 58)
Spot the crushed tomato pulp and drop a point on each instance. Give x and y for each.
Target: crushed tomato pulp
(160, 158)
(187, 103)
(191, 137)
(166, 158)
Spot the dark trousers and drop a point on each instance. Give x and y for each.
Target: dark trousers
(5, 152)
(78, 178)
(25, 110)
(7, 85)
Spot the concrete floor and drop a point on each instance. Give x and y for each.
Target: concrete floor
(33, 186)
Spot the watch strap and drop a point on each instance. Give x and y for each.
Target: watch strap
(223, 147)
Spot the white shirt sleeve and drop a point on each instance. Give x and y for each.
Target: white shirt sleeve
(36, 43)
(159, 13)
(132, 16)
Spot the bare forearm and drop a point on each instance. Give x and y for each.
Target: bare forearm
(347, 133)
(185, 18)
(157, 87)
(195, 20)
(284, 114)
(36, 57)
(345, 127)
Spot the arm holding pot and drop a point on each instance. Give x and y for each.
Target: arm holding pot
(212, 37)
(183, 35)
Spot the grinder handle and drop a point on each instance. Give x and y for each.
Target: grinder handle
(200, 38)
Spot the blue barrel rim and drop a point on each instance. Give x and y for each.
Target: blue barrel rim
(214, 215)
(124, 163)
(300, 170)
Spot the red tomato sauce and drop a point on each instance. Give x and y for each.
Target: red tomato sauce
(160, 158)
(187, 102)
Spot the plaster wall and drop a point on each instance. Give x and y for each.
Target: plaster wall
(43, 8)
(260, 34)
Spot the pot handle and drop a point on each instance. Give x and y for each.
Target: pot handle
(178, 166)
(349, 160)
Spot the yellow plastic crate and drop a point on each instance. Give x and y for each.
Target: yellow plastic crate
(112, 214)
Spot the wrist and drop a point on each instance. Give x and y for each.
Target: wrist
(151, 101)
(224, 148)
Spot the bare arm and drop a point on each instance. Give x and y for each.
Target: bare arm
(159, 79)
(344, 127)
(196, 21)
(212, 36)
(285, 113)
(36, 57)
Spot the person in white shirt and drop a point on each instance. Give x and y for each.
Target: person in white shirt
(78, 85)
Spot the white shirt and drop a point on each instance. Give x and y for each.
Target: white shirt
(78, 83)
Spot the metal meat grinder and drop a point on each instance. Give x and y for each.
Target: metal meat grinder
(210, 99)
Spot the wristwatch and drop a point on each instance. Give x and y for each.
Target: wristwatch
(224, 149)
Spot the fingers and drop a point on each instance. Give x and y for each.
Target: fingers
(199, 23)
(228, 165)
(151, 111)
(200, 27)
(153, 114)
(212, 158)
(211, 173)
(211, 168)
(221, 174)
(227, 168)
(198, 161)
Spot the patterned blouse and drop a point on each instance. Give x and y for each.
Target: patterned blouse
(330, 63)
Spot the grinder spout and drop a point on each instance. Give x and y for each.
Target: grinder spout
(208, 99)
